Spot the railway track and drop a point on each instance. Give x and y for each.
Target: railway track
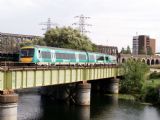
(9, 65)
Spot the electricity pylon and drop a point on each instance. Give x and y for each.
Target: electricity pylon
(82, 23)
(48, 24)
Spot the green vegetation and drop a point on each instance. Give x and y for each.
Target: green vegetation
(36, 41)
(155, 75)
(127, 51)
(153, 85)
(135, 75)
(68, 37)
(65, 37)
(135, 82)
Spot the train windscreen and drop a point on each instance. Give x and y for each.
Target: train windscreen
(27, 52)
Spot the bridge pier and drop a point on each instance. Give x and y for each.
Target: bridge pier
(8, 107)
(62, 93)
(106, 86)
(113, 86)
(83, 94)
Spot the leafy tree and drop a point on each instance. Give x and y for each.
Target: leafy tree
(135, 75)
(122, 50)
(26, 43)
(36, 41)
(128, 51)
(68, 37)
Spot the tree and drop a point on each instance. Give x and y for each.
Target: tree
(128, 51)
(135, 75)
(36, 41)
(122, 50)
(68, 37)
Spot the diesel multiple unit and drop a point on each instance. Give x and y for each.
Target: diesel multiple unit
(50, 55)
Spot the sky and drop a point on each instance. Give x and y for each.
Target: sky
(114, 22)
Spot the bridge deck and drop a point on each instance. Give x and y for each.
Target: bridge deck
(33, 77)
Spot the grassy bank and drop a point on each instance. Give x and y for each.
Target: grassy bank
(151, 91)
(153, 82)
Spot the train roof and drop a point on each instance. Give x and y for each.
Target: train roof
(55, 48)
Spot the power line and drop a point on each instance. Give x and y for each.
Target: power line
(82, 23)
(48, 24)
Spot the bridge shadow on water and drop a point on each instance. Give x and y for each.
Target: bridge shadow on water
(103, 107)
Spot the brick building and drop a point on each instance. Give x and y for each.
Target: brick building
(111, 50)
(143, 44)
(9, 43)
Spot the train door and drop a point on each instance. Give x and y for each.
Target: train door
(53, 56)
(77, 57)
(39, 55)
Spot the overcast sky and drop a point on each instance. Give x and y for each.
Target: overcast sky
(114, 22)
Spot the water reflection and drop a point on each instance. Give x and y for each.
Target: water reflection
(34, 107)
(9, 118)
(29, 107)
(8, 111)
(60, 111)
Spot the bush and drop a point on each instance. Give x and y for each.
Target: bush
(134, 77)
(151, 94)
(154, 75)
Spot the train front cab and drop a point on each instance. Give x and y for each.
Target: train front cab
(27, 55)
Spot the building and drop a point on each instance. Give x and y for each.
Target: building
(111, 50)
(143, 44)
(135, 45)
(9, 43)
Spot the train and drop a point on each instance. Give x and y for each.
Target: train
(44, 55)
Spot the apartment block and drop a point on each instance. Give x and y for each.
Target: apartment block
(143, 44)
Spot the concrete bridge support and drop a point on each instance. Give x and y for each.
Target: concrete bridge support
(8, 107)
(83, 94)
(113, 86)
(106, 86)
(79, 93)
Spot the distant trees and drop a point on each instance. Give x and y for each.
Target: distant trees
(68, 37)
(127, 51)
(36, 41)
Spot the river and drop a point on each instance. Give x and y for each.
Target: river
(103, 107)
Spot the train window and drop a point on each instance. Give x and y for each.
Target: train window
(27, 52)
(107, 58)
(46, 54)
(91, 57)
(65, 56)
(82, 57)
(100, 57)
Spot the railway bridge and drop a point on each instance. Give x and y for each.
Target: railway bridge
(13, 78)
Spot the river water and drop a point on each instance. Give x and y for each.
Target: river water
(103, 107)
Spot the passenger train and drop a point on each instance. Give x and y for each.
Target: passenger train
(43, 55)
